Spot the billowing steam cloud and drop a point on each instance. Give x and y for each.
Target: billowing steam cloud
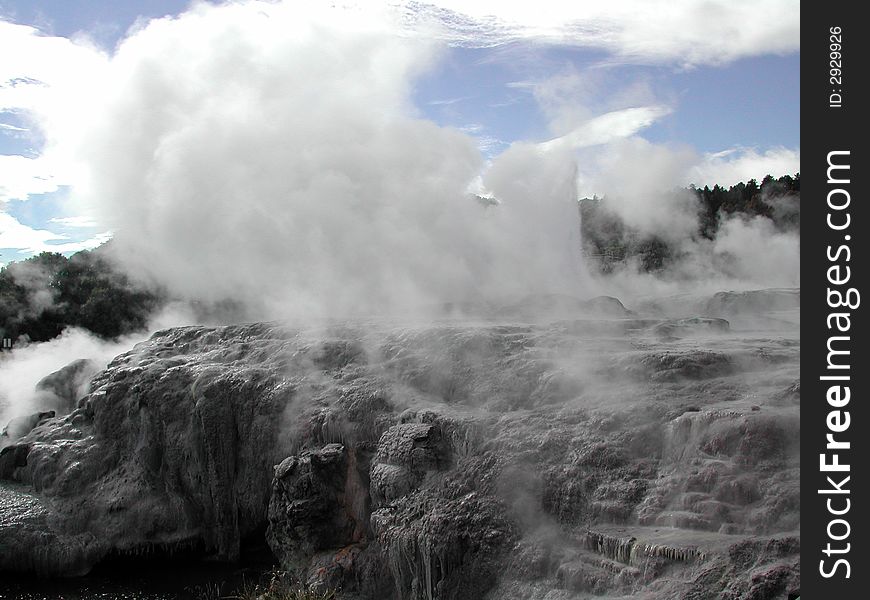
(644, 188)
(253, 153)
(270, 154)
(642, 178)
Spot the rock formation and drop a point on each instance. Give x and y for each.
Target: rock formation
(62, 389)
(618, 454)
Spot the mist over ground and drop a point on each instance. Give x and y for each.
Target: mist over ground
(270, 157)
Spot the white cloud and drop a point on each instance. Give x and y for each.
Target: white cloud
(21, 237)
(656, 168)
(17, 236)
(742, 164)
(681, 32)
(609, 127)
(53, 79)
(45, 80)
(78, 221)
(35, 65)
(12, 128)
(87, 244)
(275, 145)
(21, 176)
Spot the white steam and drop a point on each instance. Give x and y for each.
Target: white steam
(255, 153)
(641, 180)
(759, 255)
(644, 187)
(28, 363)
(24, 367)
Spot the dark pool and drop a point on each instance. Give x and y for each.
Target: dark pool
(145, 579)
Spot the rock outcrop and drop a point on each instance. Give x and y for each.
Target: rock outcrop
(61, 390)
(436, 462)
(172, 449)
(18, 427)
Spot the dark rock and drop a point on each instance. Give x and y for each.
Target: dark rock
(752, 302)
(406, 453)
(539, 306)
(62, 389)
(790, 395)
(171, 448)
(441, 548)
(13, 457)
(434, 462)
(679, 328)
(606, 306)
(673, 366)
(319, 502)
(18, 427)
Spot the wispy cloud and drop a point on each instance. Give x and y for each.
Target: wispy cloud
(448, 101)
(12, 128)
(488, 144)
(53, 78)
(503, 103)
(681, 32)
(522, 85)
(472, 128)
(742, 164)
(16, 236)
(79, 221)
(608, 127)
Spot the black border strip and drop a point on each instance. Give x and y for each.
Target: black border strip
(832, 106)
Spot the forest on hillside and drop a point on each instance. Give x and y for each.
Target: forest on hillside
(45, 294)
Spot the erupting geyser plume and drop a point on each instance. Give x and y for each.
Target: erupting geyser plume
(261, 153)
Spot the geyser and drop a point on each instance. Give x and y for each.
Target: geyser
(271, 155)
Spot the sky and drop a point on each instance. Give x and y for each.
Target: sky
(711, 86)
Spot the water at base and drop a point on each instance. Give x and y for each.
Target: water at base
(144, 579)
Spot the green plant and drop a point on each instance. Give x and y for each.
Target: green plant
(209, 591)
(281, 587)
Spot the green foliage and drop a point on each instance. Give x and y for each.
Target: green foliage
(208, 591)
(282, 587)
(41, 296)
(751, 199)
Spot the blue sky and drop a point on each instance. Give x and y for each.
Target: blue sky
(720, 84)
(750, 102)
